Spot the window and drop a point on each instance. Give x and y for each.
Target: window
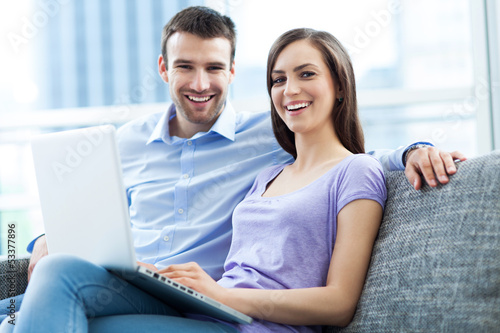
(413, 63)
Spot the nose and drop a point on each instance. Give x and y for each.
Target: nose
(200, 81)
(291, 87)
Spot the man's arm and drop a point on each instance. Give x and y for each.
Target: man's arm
(420, 159)
(38, 252)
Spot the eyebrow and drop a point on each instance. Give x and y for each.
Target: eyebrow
(181, 61)
(296, 69)
(214, 63)
(220, 64)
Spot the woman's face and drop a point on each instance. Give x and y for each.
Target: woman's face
(303, 90)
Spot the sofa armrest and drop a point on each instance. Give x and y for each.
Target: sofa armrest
(13, 276)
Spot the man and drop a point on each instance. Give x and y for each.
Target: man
(185, 170)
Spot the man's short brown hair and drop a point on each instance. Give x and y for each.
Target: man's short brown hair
(203, 22)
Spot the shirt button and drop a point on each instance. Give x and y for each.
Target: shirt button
(190, 143)
(166, 238)
(186, 176)
(181, 210)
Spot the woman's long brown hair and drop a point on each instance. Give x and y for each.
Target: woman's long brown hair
(345, 113)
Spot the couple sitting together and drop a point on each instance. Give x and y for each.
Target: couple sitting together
(273, 216)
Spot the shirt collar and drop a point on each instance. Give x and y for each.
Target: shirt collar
(225, 125)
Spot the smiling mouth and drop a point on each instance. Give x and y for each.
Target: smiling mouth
(298, 106)
(199, 99)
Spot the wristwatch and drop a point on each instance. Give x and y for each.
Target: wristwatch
(411, 148)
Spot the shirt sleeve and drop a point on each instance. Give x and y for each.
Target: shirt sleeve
(392, 160)
(362, 179)
(30, 246)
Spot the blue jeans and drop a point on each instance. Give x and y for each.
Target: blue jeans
(68, 294)
(9, 306)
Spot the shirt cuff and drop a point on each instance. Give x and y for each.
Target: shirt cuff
(32, 244)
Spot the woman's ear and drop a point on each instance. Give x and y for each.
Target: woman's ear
(339, 93)
(162, 68)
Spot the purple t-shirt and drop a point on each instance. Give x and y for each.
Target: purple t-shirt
(286, 241)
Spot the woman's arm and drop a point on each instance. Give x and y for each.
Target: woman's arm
(334, 304)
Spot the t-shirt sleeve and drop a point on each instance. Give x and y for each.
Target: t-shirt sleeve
(363, 178)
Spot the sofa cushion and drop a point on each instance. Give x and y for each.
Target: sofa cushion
(13, 276)
(436, 262)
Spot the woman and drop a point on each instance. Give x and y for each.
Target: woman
(303, 236)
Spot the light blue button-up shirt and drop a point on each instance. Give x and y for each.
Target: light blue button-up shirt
(182, 192)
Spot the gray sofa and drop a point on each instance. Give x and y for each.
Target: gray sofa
(13, 276)
(436, 262)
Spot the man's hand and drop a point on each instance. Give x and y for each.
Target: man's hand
(431, 163)
(39, 251)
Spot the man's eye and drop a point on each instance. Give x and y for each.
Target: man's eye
(215, 68)
(184, 66)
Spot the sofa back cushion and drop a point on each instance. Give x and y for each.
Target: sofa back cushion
(436, 262)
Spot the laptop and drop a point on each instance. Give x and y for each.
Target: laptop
(85, 213)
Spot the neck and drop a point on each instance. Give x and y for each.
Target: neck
(316, 149)
(179, 129)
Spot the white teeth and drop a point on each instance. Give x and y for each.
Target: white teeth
(199, 99)
(297, 106)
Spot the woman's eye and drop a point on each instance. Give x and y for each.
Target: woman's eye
(307, 74)
(278, 80)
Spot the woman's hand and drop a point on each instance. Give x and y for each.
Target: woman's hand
(148, 266)
(193, 276)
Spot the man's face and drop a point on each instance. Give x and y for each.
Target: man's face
(199, 72)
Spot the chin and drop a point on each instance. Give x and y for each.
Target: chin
(295, 128)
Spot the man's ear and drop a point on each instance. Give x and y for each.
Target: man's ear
(231, 73)
(162, 68)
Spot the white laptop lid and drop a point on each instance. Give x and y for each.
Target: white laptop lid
(85, 213)
(82, 196)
